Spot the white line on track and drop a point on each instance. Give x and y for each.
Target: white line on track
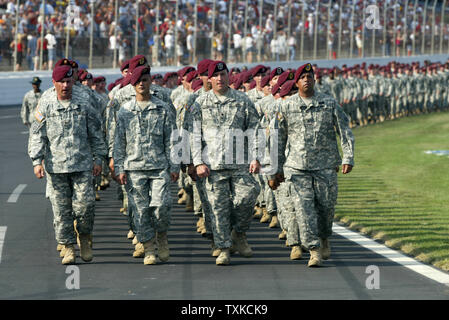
(393, 255)
(16, 193)
(8, 117)
(2, 239)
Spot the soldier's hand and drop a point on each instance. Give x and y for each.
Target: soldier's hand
(192, 172)
(97, 170)
(202, 171)
(27, 124)
(273, 184)
(346, 168)
(111, 164)
(280, 178)
(122, 178)
(39, 171)
(174, 176)
(254, 166)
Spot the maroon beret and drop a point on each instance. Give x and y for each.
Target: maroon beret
(181, 73)
(265, 81)
(275, 88)
(137, 61)
(126, 80)
(304, 68)
(63, 62)
(197, 84)
(252, 85)
(125, 65)
(285, 76)
(287, 87)
(81, 72)
(258, 69)
(203, 66)
(111, 86)
(62, 72)
(191, 76)
(276, 72)
(237, 82)
(232, 78)
(139, 72)
(74, 64)
(86, 76)
(99, 79)
(169, 75)
(216, 66)
(247, 76)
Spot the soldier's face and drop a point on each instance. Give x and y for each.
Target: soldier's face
(274, 81)
(220, 81)
(305, 83)
(206, 84)
(258, 78)
(64, 88)
(143, 85)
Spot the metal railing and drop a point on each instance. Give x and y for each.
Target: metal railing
(267, 30)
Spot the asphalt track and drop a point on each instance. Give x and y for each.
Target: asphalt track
(30, 267)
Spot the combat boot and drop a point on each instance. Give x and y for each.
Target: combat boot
(224, 258)
(59, 247)
(135, 241)
(97, 196)
(149, 252)
(62, 252)
(215, 252)
(181, 193)
(85, 248)
(200, 225)
(139, 251)
(130, 235)
(162, 246)
(296, 253)
(274, 222)
(258, 212)
(283, 235)
(325, 249)
(265, 216)
(189, 203)
(315, 258)
(240, 244)
(183, 198)
(69, 254)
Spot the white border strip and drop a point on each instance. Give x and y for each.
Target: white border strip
(16, 193)
(2, 240)
(395, 256)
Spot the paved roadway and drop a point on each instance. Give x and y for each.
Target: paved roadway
(30, 267)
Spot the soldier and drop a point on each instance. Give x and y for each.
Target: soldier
(158, 79)
(170, 80)
(142, 159)
(258, 72)
(182, 84)
(309, 168)
(30, 101)
(67, 122)
(217, 116)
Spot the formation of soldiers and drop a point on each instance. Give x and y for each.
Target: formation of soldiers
(150, 130)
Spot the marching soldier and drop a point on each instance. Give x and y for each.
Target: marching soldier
(30, 101)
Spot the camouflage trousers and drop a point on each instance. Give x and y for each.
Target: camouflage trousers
(232, 195)
(269, 196)
(287, 214)
(130, 208)
(314, 195)
(150, 192)
(261, 201)
(201, 203)
(72, 198)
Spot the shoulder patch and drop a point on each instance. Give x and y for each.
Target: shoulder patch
(39, 117)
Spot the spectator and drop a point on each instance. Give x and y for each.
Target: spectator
(237, 39)
(51, 46)
(292, 46)
(169, 42)
(20, 50)
(32, 57)
(249, 48)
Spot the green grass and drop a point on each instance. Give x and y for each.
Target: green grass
(396, 192)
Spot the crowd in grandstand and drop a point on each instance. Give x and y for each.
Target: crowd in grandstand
(272, 39)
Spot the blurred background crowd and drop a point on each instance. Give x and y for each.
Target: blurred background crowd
(180, 32)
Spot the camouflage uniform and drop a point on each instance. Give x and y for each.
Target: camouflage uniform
(309, 132)
(231, 189)
(29, 105)
(68, 140)
(142, 149)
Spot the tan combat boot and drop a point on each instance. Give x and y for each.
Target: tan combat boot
(215, 252)
(240, 244)
(97, 196)
(283, 235)
(139, 251)
(325, 249)
(201, 224)
(315, 258)
(69, 254)
(62, 252)
(258, 212)
(130, 235)
(265, 216)
(162, 246)
(149, 252)
(224, 258)
(183, 198)
(296, 253)
(274, 222)
(189, 203)
(85, 248)
(180, 193)
(135, 241)
(59, 247)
